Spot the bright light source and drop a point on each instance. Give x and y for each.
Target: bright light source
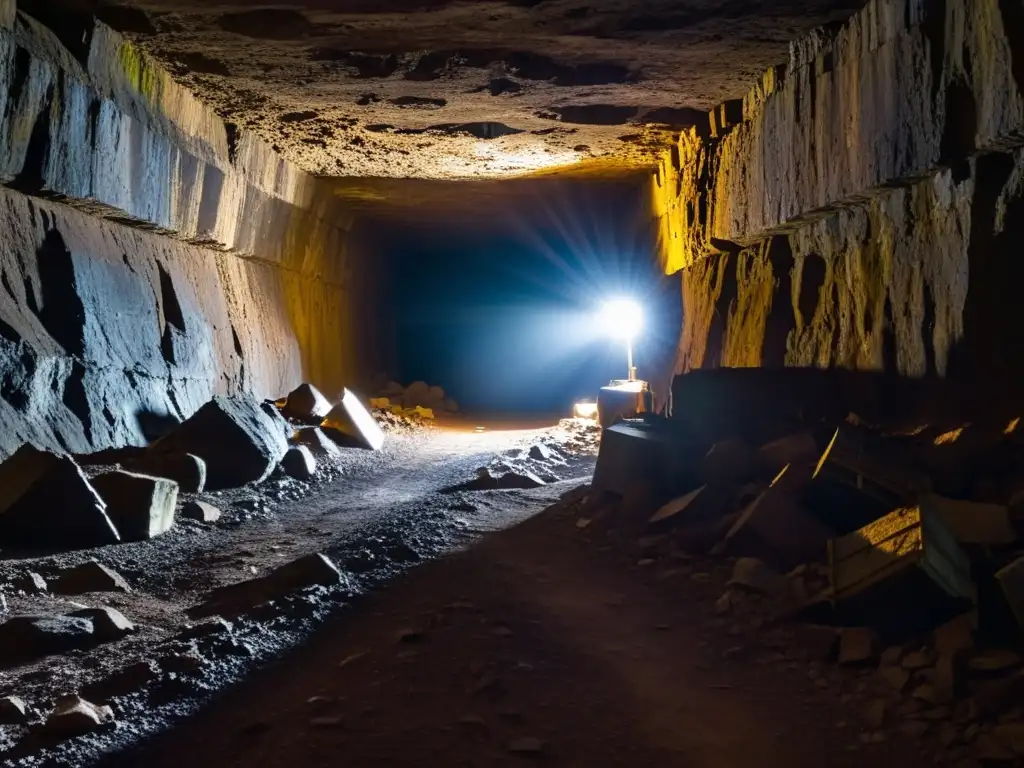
(585, 410)
(622, 319)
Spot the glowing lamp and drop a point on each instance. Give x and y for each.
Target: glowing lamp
(623, 319)
(585, 410)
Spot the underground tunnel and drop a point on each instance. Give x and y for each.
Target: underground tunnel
(509, 382)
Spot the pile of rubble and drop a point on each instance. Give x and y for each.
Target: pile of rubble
(48, 502)
(899, 557)
(290, 589)
(418, 402)
(580, 437)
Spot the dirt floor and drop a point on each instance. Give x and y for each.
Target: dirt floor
(373, 514)
(550, 643)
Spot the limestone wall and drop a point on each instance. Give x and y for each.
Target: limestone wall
(861, 211)
(150, 255)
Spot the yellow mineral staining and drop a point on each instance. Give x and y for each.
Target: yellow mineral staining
(948, 438)
(748, 314)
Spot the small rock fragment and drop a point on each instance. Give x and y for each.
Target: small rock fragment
(917, 660)
(540, 452)
(723, 604)
(875, 714)
(897, 677)
(349, 659)
(757, 576)
(299, 463)
(200, 511)
(956, 635)
(108, 624)
(857, 645)
(74, 716)
(410, 636)
(13, 711)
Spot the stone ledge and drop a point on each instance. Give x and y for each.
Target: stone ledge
(883, 105)
(152, 158)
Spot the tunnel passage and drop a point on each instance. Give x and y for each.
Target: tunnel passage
(228, 234)
(499, 302)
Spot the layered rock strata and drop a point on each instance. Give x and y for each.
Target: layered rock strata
(859, 208)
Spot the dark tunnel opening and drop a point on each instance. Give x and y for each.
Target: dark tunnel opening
(503, 311)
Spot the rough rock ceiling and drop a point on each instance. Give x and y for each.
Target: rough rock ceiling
(468, 88)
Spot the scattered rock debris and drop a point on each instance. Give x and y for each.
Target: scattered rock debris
(906, 590)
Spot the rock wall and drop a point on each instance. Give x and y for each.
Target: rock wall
(151, 255)
(859, 208)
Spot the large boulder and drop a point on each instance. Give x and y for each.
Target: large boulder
(141, 507)
(307, 404)
(186, 469)
(239, 442)
(45, 500)
(350, 424)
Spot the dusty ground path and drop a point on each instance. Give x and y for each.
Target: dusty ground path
(377, 515)
(537, 644)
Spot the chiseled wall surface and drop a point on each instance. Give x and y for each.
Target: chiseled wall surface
(151, 256)
(860, 210)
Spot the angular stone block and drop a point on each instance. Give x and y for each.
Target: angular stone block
(109, 624)
(45, 500)
(23, 638)
(74, 716)
(13, 711)
(774, 456)
(699, 507)
(972, 522)
(318, 443)
(201, 512)
(312, 570)
(187, 470)
(776, 528)
(238, 441)
(141, 507)
(656, 454)
(852, 486)
(90, 576)
(349, 423)
(298, 463)
(903, 573)
(307, 404)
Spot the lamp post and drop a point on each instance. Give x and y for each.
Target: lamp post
(623, 319)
